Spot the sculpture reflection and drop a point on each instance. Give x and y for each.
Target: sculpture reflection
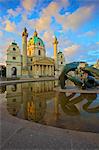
(68, 103)
(2, 89)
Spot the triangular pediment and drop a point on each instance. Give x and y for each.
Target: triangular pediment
(44, 61)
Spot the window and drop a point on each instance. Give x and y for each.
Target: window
(31, 89)
(61, 56)
(61, 62)
(14, 58)
(39, 43)
(14, 71)
(39, 52)
(30, 53)
(14, 88)
(31, 68)
(14, 49)
(31, 59)
(14, 100)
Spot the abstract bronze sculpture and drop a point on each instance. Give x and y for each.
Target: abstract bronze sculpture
(84, 76)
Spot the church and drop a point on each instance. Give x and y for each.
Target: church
(33, 62)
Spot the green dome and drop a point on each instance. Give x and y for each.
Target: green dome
(36, 40)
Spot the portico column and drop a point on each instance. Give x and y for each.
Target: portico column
(46, 70)
(52, 70)
(39, 69)
(35, 70)
(42, 70)
(49, 70)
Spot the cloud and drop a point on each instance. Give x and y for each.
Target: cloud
(43, 23)
(69, 51)
(1, 33)
(52, 10)
(77, 19)
(80, 52)
(10, 26)
(28, 4)
(97, 43)
(88, 2)
(67, 21)
(48, 38)
(88, 34)
(15, 12)
(3, 49)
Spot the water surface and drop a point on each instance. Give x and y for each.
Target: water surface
(38, 102)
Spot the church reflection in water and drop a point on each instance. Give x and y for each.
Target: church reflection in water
(36, 101)
(29, 100)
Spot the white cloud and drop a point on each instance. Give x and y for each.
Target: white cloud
(52, 10)
(3, 49)
(10, 26)
(97, 43)
(68, 21)
(48, 39)
(1, 33)
(28, 4)
(15, 12)
(88, 34)
(76, 19)
(72, 50)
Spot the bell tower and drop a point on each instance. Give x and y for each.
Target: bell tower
(24, 47)
(55, 43)
(24, 58)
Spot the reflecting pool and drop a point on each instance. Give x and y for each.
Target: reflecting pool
(38, 102)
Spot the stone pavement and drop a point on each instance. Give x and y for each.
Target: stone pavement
(18, 134)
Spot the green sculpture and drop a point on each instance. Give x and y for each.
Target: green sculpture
(84, 77)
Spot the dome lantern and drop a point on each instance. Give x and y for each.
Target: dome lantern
(35, 33)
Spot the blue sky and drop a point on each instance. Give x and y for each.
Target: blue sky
(74, 22)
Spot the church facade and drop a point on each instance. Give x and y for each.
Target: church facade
(33, 62)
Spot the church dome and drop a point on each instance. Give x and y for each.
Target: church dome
(35, 40)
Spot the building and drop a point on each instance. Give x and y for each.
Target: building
(2, 71)
(33, 62)
(96, 65)
(61, 61)
(29, 100)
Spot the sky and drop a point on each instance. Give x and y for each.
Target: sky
(75, 23)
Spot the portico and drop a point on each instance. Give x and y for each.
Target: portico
(43, 68)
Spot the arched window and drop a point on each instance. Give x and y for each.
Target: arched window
(14, 72)
(61, 62)
(39, 52)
